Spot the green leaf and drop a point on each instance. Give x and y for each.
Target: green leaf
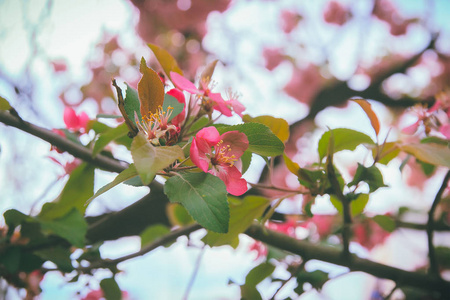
(110, 135)
(316, 278)
(111, 289)
(150, 90)
(435, 140)
(443, 256)
(149, 159)
(14, 218)
(246, 159)
(204, 196)
(261, 139)
(167, 62)
(78, 189)
(178, 215)
(72, 227)
(385, 153)
(293, 167)
(107, 116)
(385, 222)
(125, 175)
(242, 214)
(152, 233)
(278, 126)
(253, 278)
(10, 259)
(199, 124)
(172, 102)
(4, 104)
(435, 154)
(371, 175)
(58, 255)
(357, 205)
(344, 139)
(132, 104)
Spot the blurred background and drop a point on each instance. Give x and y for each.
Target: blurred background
(297, 60)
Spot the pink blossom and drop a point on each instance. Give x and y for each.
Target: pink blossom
(387, 12)
(273, 57)
(335, 13)
(210, 99)
(259, 248)
(304, 84)
(289, 20)
(445, 130)
(75, 122)
(228, 148)
(177, 94)
(67, 166)
(369, 234)
(59, 66)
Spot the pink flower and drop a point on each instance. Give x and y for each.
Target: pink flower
(67, 166)
(273, 57)
(177, 94)
(228, 148)
(335, 13)
(209, 99)
(75, 122)
(289, 20)
(445, 130)
(304, 84)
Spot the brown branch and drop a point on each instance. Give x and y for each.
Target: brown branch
(434, 270)
(328, 254)
(103, 162)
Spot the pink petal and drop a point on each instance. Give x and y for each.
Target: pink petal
(71, 119)
(198, 157)
(220, 104)
(233, 180)
(237, 141)
(237, 106)
(411, 129)
(210, 135)
(83, 120)
(445, 130)
(183, 84)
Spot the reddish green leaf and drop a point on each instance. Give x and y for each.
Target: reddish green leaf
(278, 126)
(365, 105)
(167, 62)
(150, 90)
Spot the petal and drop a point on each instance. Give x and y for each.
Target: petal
(220, 104)
(237, 141)
(411, 129)
(210, 135)
(237, 106)
(445, 130)
(183, 84)
(198, 157)
(83, 120)
(71, 118)
(230, 175)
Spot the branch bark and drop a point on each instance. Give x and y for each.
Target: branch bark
(310, 251)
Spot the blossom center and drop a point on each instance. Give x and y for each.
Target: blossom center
(222, 155)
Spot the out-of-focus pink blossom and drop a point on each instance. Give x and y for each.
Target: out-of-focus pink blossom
(288, 227)
(67, 166)
(369, 234)
(273, 57)
(414, 175)
(336, 13)
(74, 121)
(323, 224)
(98, 295)
(289, 20)
(386, 11)
(59, 66)
(304, 84)
(228, 148)
(259, 248)
(445, 130)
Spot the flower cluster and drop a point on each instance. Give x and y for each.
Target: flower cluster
(228, 148)
(157, 127)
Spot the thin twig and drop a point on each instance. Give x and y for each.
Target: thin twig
(434, 270)
(194, 273)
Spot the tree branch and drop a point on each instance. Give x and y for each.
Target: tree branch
(434, 270)
(328, 254)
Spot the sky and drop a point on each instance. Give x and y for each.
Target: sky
(70, 32)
